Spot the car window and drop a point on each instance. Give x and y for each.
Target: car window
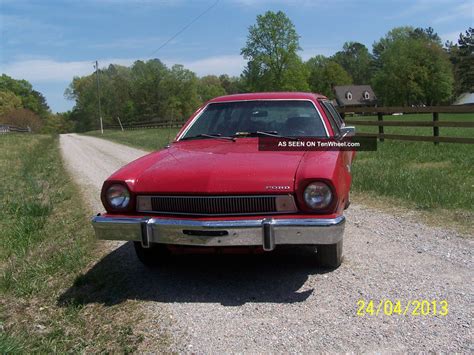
(337, 117)
(332, 120)
(287, 117)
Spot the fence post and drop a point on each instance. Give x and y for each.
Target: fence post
(380, 119)
(435, 128)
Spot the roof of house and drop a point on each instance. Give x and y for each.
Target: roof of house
(465, 99)
(353, 95)
(270, 96)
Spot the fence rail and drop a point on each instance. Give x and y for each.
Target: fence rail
(149, 124)
(435, 122)
(5, 128)
(401, 109)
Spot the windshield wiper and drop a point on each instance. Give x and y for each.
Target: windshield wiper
(215, 136)
(264, 133)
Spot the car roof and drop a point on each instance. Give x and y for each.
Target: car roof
(269, 96)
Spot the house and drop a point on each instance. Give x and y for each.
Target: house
(355, 95)
(465, 99)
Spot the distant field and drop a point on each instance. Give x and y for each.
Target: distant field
(46, 242)
(148, 139)
(419, 175)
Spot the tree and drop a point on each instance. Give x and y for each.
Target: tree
(209, 87)
(271, 51)
(30, 99)
(324, 74)
(357, 62)
(461, 55)
(231, 85)
(8, 101)
(180, 86)
(412, 69)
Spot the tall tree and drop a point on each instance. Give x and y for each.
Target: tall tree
(461, 55)
(324, 74)
(271, 51)
(412, 69)
(356, 60)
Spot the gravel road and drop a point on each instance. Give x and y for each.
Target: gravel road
(283, 303)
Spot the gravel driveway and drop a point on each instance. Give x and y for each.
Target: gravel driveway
(283, 303)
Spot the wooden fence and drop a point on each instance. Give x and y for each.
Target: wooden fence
(5, 128)
(149, 124)
(435, 122)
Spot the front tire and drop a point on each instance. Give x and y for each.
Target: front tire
(155, 255)
(329, 255)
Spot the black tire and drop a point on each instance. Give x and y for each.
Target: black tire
(329, 255)
(155, 255)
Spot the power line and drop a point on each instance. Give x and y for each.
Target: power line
(185, 27)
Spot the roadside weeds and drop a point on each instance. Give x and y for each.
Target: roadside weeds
(47, 243)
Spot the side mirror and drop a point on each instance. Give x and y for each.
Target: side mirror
(347, 131)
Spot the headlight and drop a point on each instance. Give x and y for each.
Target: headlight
(318, 195)
(118, 196)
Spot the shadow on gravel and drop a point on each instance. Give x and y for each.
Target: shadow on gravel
(230, 280)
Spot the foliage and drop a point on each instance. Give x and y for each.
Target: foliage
(412, 69)
(324, 74)
(209, 87)
(271, 51)
(58, 123)
(8, 102)
(143, 92)
(357, 62)
(22, 117)
(462, 57)
(23, 90)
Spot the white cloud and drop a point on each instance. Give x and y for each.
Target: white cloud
(451, 36)
(225, 64)
(48, 70)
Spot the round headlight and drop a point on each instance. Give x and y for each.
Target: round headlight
(118, 196)
(318, 195)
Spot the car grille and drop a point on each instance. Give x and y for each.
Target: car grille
(216, 205)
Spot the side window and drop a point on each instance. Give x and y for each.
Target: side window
(335, 114)
(332, 120)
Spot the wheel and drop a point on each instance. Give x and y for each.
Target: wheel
(329, 255)
(156, 254)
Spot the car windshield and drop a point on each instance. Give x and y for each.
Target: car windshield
(245, 118)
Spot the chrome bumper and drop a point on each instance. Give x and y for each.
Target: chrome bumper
(266, 232)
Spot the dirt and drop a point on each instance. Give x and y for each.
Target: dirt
(283, 302)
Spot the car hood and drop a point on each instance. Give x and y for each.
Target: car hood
(219, 167)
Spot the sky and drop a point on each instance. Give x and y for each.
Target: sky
(48, 42)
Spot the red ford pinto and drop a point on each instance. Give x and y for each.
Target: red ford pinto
(213, 188)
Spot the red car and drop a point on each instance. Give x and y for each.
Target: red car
(212, 188)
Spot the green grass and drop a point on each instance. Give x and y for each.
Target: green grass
(46, 242)
(148, 139)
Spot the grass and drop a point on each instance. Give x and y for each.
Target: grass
(435, 180)
(46, 243)
(148, 139)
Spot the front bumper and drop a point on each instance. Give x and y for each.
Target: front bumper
(267, 232)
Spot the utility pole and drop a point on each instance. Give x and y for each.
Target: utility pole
(98, 96)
